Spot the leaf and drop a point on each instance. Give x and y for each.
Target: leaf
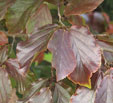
(60, 95)
(72, 52)
(3, 38)
(63, 57)
(17, 18)
(13, 97)
(40, 18)
(14, 70)
(83, 95)
(3, 54)
(44, 96)
(32, 90)
(105, 91)
(5, 86)
(36, 43)
(4, 5)
(76, 7)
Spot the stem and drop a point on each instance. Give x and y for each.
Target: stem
(59, 15)
(12, 45)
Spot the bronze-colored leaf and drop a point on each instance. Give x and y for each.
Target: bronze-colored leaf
(63, 57)
(76, 7)
(4, 5)
(44, 96)
(60, 95)
(5, 86)
(19, 13)
(3, 38)
(76, 50)
(14, 70)
(105, 91)
(36, 43)
(88, 55)
(83, 95)
(40, 18)
(3, 54)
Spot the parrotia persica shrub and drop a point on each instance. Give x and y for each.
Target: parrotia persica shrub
(34, 30)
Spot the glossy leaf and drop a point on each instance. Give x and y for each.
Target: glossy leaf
(76, 7)
(3, 54)
(60, 95)
(44, 96)
(36, 43)
(4, 5)
(5, 86)
(40, 18)
(83, 95)
(63, 57)
(88, 55)
(3, 38)
(14, 70)
(105, 91)
(17, 18)
(32, 90)
(72, 52)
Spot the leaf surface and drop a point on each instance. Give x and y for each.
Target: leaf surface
(105, 91)
(4, 5)
(63, 57)
(5, 86)
(3, 38)
(60, 95)
(40, 18)
(76, 7)
(83, 95)
(71, 52)
(17, 18)
(36, 43)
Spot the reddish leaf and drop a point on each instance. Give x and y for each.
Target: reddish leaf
(14, 70)
(40, 18)
(17, 18)
(63, 57)
(4, 5)
(5, 86)
(76, 20)
(36, 43)
(83, 95)
(76, 7)
(3, 54)
(32, 90)
(72, 52)
(60, 95)
(105, 91)
(3, 38)
(44, 96)
(87, 54)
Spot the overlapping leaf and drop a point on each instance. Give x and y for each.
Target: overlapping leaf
(36, 43)
(3, 54)
(105, 91)
(40, 18)
(4, 5)
(44, 96)
(32, 90)
(60, 95)
(83, 95)
(63, 57)
(76, 7)
(14, 70)
(5, 86)
(76, 50)
(3, 38)
(19, 13)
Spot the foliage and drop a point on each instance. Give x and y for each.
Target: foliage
(51, 52)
